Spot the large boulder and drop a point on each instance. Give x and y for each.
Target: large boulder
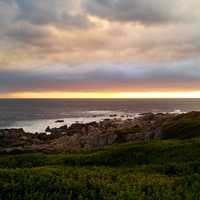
(18, 138)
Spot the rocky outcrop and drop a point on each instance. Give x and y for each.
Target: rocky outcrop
(95, 134)
(109, 131)
(17, 137)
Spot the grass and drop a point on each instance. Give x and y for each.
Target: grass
(153, 170)
(183, 126)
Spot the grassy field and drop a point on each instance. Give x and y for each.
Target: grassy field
(153, 170)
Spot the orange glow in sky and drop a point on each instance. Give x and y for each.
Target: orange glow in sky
(195, 94)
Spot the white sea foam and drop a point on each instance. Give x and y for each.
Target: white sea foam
(41, 124)
(177, 111)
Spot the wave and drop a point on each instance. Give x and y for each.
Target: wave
(177, 111)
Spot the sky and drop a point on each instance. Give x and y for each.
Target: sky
(99, 49)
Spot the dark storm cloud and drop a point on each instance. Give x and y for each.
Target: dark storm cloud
(103, 77)
(49, 12)
(59, 13)
(64, 31)
(143, 11)
(28, 33)
(31, 22)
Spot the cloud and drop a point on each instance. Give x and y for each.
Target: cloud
(62, 14)
(58, 13)
(104, 77)
(142, 11)
(57, 31)
(33, 27)
(8, 12)
(96, 45)
(28, 34)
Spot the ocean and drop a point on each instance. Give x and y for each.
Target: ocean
(34, 115)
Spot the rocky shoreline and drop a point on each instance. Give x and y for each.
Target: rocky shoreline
(99, 134)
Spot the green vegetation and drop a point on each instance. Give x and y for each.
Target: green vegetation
(153, 170)
(183, 126)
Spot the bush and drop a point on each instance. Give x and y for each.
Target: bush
(157, 170)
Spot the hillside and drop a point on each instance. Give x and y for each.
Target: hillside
(160, 169)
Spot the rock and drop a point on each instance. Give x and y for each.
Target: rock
(11, 150)
(59, 121)
(147, 116)
(109, 131)
(59, 130)
(113, 115)
(48, 129)
(11, 131)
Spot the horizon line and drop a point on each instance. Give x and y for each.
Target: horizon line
(91, 98)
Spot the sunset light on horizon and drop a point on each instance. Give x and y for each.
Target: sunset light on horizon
(99, 95)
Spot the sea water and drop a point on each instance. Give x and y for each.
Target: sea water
(34, 115)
